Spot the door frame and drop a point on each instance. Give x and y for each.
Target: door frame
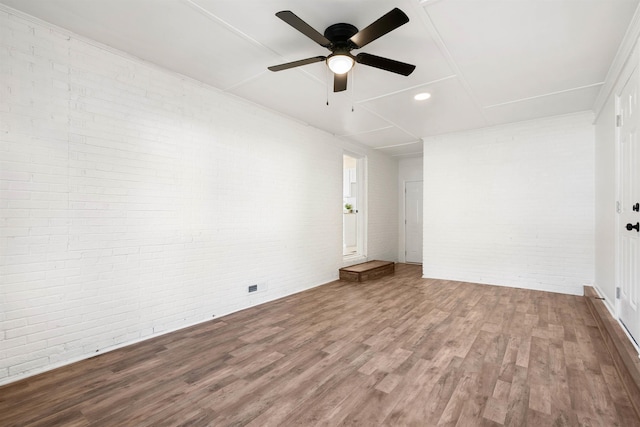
(625, 75)
(361, 211)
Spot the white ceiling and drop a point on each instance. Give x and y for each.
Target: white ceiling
(485, 62)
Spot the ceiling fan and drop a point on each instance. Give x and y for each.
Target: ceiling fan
(341, 39)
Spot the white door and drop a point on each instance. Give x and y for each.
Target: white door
(413, 221)
(629, 209)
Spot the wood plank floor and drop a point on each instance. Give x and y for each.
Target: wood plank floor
(399, 350)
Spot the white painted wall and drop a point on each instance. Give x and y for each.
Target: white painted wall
(512, 205)
(409, 169)
(134, 201)
(381, 211)
(605, 203)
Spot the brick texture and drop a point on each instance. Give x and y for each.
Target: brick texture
(512, 205)
(134, 201)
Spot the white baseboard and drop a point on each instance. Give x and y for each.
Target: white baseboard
(558, 289)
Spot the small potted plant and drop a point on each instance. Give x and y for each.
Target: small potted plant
(348, 207)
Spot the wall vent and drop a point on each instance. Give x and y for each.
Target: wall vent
(253, 288)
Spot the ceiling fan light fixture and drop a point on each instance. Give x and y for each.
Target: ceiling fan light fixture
(341, 38)
(340, 64)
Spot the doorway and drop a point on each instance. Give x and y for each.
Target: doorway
(413, 221)
(353, 204)
(628, 224)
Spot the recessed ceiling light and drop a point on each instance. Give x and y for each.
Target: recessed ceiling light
(422, 96)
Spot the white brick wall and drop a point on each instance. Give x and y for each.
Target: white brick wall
(382, 210)
(134, 202)
(512, 205)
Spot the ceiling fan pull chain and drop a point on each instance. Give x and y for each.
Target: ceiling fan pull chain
(329, 80)
(353, 88)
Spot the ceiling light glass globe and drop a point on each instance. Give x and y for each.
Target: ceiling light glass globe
(340, 64)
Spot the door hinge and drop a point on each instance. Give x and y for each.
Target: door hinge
(618, 293)
(618, 207)
(618, 120)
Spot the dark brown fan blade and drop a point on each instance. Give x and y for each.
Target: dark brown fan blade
(297, 63)
(382, 26)
(306, 29)
(385, 64)
(340, 82)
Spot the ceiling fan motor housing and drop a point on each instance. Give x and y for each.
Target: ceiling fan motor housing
(339, 35)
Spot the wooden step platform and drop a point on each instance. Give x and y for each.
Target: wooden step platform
(367, 271)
